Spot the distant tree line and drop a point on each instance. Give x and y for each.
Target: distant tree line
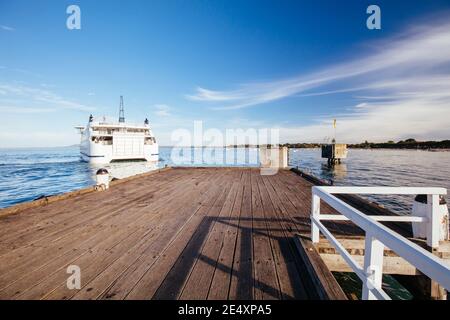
(289, 145)
(301, 145)
(403, 144)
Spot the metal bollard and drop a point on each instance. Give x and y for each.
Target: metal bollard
(102, 179)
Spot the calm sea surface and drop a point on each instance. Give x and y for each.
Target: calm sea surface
(395, 168)
(27, 174)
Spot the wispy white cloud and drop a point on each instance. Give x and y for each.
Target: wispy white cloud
(401, 87)
(13, 109)
(40, 96)
(162, 110)
(379, 122)
(6, 28)
(419, 50)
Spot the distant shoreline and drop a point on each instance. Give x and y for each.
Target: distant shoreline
(409, 144)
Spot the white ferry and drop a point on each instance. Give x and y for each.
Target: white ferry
(103, 141)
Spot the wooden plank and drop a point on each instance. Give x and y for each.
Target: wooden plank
(39, 217)
(220, 284)
(129, 229)
(187, 233)
(54, 275)
(99, 235)
(325, 284)
(298, 193)
(42, 254)
(172, 217)
(266, 284)
(177, 275)
(146, 278)
(241, 287)
(90, 215)
(134, 271)
(198, 284)
(14, 273)
(94, 264)
(291, 286)
(51, 199)
(391, 265)
(32, 223)
(291, 224)
(354, 245)
(61, 229)
(87, 210)
(21, 283)
(39, 288)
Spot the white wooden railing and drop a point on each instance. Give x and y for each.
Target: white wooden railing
(379, 236)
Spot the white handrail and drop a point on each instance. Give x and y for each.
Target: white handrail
(383, 190)
(377, 218)
(350, 261)
(378, 236)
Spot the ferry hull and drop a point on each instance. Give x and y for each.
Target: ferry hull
(102, 154)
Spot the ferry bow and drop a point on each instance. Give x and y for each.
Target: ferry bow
(103, 141)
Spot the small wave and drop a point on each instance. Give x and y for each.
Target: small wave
(32, 162)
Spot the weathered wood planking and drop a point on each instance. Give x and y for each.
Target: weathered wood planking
(326, 285)
(184, 233)
(266, 284)
(242, 274)
(54, 198)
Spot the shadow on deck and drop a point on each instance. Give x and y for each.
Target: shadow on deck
(185, 233)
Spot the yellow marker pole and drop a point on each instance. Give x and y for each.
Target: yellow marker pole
(334, 125)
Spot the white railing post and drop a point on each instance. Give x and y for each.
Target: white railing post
(433, 227)
(373, 266)
(315, 212)
(378, 236)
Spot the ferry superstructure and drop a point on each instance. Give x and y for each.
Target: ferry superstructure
(103, 141)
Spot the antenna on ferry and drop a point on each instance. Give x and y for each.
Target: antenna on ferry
(121, 112)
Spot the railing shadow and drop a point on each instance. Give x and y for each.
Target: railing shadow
(243, 273)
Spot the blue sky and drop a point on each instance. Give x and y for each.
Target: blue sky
(292, 65)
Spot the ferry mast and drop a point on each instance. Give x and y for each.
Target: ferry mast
(121, 111)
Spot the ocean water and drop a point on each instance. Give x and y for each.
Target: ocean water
(379, 167)
(27, 174)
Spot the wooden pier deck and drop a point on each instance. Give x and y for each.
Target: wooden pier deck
(184, 233)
